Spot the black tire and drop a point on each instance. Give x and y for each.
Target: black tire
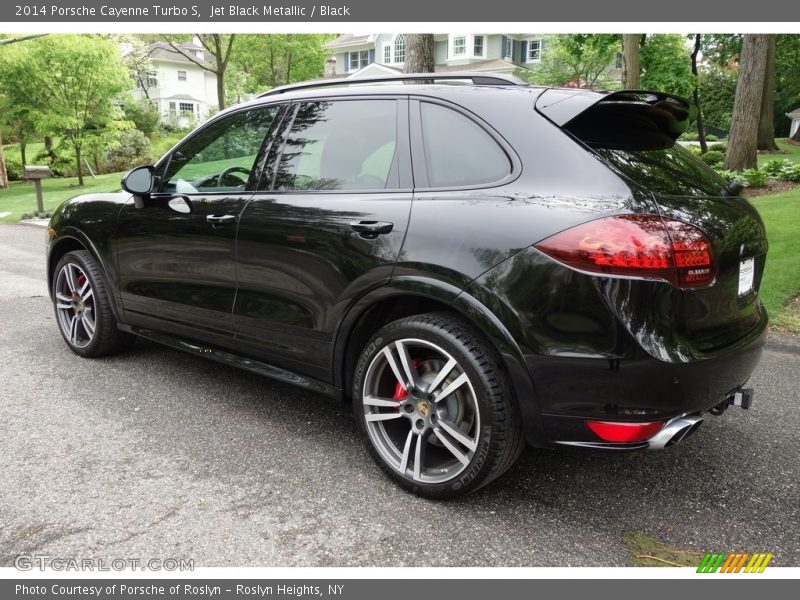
(106, 338)
(497, 442)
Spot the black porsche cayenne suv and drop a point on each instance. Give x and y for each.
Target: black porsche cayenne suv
(475, 262)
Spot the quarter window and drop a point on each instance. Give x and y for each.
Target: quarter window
(181, 75)
(346, 145)
(387, 54)
(458, 151)
(359, 60)
(219, 157)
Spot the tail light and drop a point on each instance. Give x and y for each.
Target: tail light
(645, 246)
(609, 431)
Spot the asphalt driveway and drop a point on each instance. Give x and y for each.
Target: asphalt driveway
(157, 454)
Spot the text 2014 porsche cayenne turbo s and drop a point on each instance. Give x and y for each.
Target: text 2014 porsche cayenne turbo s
(478, 264)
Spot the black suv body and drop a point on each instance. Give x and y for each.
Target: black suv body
(475, 265)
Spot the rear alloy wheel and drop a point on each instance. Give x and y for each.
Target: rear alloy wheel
(434, 406)
(82, 307)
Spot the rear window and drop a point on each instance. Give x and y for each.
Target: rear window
(672, 171)
(638, 139)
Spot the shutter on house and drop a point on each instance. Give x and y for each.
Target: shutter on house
(346, 61)
(523, 56)
(371, 56)
(503, 46)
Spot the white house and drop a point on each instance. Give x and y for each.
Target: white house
(377, 53)
(181, 89)
(795, 117)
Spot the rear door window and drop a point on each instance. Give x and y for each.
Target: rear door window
(458, 151)
(340, 145)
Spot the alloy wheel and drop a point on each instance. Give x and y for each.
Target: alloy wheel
(421, 411)
(75, 305)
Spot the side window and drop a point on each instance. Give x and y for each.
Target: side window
(221, 157)
(458, 151)
(342, 145)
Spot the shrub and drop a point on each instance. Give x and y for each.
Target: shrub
(13, 167)
(775, 167)
(727, 175)
(143, 114)
(755, 177)
(711, 138)
(131, 150)
(63, 165)
(713, 157)
(791, 172)
(719, 147)
(690, 135)
(695, 150)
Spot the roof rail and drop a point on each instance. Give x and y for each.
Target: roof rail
(476, 78)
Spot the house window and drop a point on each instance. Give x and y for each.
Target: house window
(459, 45)
(172, 111)
(359, 60)
(187, 109)
(400, 49)
(181, 75)
(534, 50)
(152, 79)
(387, 54)
(477, 49)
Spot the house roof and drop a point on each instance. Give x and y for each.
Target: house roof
(348, 39)
(795, 114)
(163, 51)
(182, 97)
(497, 64)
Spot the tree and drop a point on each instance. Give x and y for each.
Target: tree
(140, 66)
(267, 61)
(578, 60)
(631, 70)
(419, 53)
(701, 132)
(787, 83)
(742, 153)
(79, 78)
(665, 64)
(766, 121)
(219, 46)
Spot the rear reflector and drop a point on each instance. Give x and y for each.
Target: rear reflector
(645, 246)
(624, 432)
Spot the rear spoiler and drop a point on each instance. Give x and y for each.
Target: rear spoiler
(627, 118)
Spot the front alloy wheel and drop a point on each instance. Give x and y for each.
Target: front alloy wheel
(75, 305)
(433, 404)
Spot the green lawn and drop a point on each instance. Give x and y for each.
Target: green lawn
(20, 196)
(789, 151)
(781, 214)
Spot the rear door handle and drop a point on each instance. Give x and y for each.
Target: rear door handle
(371, 229)
(220, 219)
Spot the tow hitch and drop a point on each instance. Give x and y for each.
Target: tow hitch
(743, 398)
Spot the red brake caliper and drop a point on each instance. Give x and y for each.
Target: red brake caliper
(80, 281)
(400, 391)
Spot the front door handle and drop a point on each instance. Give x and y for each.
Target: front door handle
(371, 229)
(216, 220)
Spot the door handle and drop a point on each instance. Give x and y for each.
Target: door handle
(371, 229)
(220, 219)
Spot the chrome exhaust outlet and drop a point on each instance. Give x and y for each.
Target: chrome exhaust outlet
(675, 431)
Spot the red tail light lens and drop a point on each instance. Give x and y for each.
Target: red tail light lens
(645, 246)
(624, 432)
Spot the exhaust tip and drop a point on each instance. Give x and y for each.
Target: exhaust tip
(675, 431)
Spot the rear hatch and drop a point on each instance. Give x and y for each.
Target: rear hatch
(634, 133)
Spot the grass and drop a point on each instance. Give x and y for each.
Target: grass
(649, 552)
(781, 284)
(788, 151)
(20, 196)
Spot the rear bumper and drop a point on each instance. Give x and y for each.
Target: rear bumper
(572, 390)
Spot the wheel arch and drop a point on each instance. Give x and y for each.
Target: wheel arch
(409, 295)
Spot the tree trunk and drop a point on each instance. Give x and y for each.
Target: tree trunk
(631, 69)
(79, 164)
(48, 146)
(701, 130)
(766, 122)
(3, 173)
(221, 89)
(742, 141)
(419, 53)
(22, 152)
(796, 136)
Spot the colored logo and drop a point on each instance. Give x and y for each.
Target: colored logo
(737, 562)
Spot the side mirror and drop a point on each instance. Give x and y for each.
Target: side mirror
(139, 182)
